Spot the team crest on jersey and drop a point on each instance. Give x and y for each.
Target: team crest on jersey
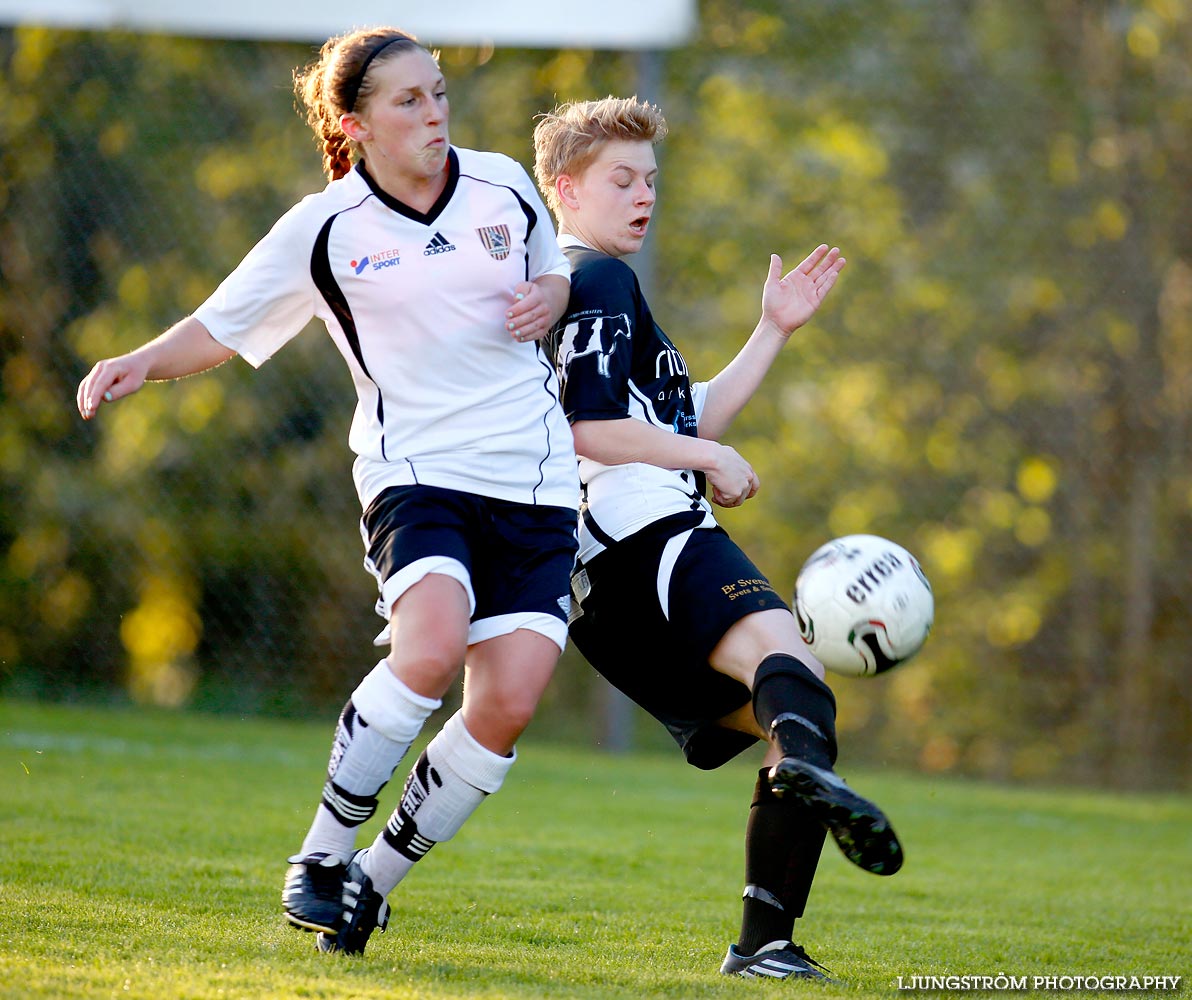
(376, 261)
(495, 240)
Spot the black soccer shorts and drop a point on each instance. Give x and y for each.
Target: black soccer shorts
(652, 607)
(514, 559)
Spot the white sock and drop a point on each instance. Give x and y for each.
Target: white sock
(447, 784)
(378, 724)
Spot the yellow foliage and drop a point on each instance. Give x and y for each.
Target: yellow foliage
(1033, 527)
(566, 73)
(224, 174)
(163, 626)
(135, 435)
(1123, 336)
(36, 549)
(115, 138)
(1111, 220)
(848, 146)
(943, 449)
(167, 685)
(1142, 38)
(64, 601)
(1037, 478)
(134, 288)
(201, 400)
(90, 98)
(1016, 622)
(20, 375)
(34, 47)
(950, 552)
(1064, 162)
(998, 508)
(939, 753)
(911, 694)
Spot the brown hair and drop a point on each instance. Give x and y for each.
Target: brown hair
(568, 139)
(336, 83)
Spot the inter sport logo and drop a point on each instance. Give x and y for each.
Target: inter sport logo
(438, 244)
(376, 261)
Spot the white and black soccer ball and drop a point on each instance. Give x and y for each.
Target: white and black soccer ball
(864, 605)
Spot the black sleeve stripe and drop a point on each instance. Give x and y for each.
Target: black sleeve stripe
(324, 279)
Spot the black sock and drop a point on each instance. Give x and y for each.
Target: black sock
(782, 849)
(796, 709)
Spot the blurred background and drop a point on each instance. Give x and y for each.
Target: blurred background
(1001, 382)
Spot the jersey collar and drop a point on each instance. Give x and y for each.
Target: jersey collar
(401, 207)
(566, 240)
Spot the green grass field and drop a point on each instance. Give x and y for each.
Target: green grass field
(141, 855)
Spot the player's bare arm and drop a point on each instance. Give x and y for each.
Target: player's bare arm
(537, 306)
(184, 349)
(788, 302)
(617, 442)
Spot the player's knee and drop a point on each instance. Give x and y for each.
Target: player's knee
(499, 719)
(429, 671)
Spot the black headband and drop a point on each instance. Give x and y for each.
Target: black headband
(357, 81)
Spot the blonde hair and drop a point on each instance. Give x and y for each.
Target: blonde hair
(568, 139)
(337, 83)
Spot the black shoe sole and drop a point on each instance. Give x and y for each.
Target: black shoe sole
(858, 826)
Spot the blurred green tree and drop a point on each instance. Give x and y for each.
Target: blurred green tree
(1002, 380)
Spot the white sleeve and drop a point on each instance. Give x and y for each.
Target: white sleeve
(269, 297)
(542, 249)
(699, 396)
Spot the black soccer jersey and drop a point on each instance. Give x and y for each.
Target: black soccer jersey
(615, 362)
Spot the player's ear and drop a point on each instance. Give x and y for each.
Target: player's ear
(565, 189)
(354, 128)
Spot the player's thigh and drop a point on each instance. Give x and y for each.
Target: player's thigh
(648, 651)
(730, 615)
(752, 638)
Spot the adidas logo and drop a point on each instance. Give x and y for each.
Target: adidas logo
(437, 244)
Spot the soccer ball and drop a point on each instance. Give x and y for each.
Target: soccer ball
(863, 604)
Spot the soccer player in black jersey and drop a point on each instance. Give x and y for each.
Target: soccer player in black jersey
(665, 605)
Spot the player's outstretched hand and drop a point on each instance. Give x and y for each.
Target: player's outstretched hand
(790, 301)
(108, 381)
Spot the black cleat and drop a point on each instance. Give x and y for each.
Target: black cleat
(859, 827)
(364, 911)
(777, 960)
(313, 893)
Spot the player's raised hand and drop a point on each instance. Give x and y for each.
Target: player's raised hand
(790, 301)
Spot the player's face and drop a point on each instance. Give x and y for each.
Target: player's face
(614, 198)
(405, 117)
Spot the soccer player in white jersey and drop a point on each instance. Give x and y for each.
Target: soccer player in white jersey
(667, 607)
(436, 272)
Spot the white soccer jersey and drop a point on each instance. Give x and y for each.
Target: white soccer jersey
(416, 305)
